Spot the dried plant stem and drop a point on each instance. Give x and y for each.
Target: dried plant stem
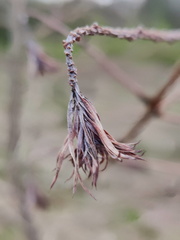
(154, 109)
(128, 34)
(109, 66)
(169, 36)
(17, 85)
(173, 78)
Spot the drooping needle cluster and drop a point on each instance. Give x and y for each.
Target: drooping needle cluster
(87, 144)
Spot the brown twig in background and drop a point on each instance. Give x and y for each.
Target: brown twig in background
(17, 86)
(49, 21)
(43, 64)
(173, 78)
(153, 107)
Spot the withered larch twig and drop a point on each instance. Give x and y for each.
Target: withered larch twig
(87, 144)
(42, 62)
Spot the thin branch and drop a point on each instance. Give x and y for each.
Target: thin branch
(173, 78)
(153, 109)
(50, 22)
(127, 34)
(155, 35)
(17, 85)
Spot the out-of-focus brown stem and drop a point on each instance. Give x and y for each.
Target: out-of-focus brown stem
(154, 108)
(16, 70)
(175, 75)
(50, 22)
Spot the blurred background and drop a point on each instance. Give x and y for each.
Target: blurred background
(135, 200)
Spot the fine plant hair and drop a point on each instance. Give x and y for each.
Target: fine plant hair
(87, 144)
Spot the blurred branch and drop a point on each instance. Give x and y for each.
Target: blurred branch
(49, 21)
(127, 34)
(153, 108)
(173, 78)
(79, 12)
(16, 67)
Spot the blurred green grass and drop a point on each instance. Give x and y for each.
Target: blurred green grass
(10, 233)
(130, 214)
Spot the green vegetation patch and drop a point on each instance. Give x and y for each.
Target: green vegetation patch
(130, 214)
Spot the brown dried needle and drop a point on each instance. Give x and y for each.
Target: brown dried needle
(87, 144)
